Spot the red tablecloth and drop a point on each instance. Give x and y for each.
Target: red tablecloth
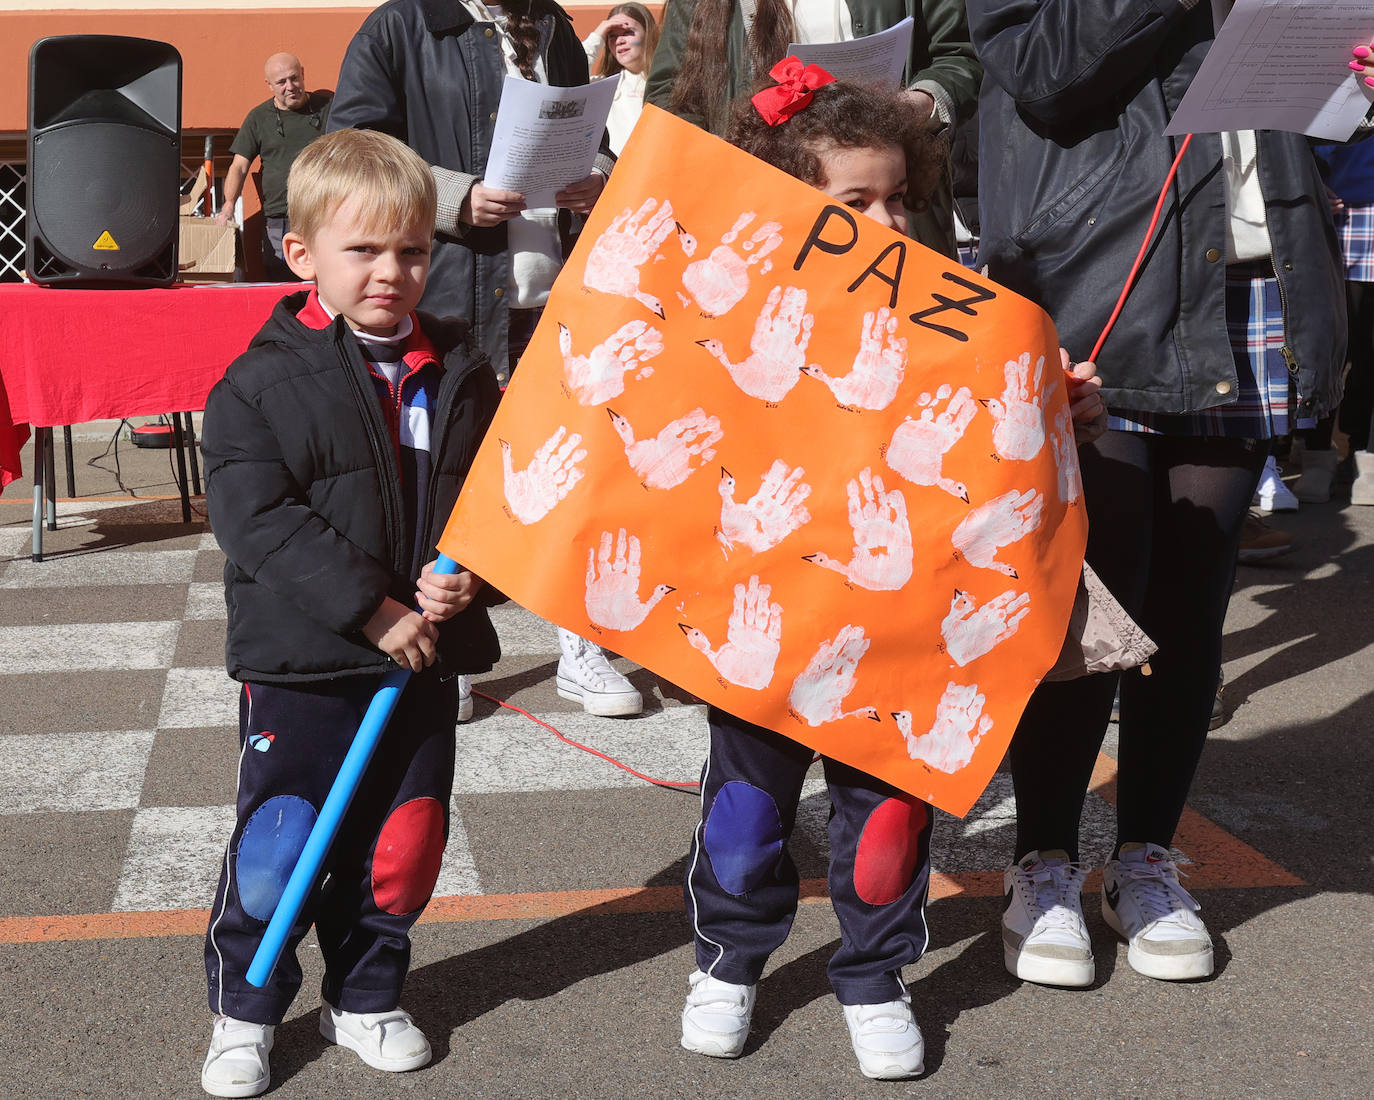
(68, 356)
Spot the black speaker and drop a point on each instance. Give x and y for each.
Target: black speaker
(104, 160)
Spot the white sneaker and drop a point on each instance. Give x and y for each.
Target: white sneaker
(1044, 938)
(1143, 901)
(465, 698)
(586, 677)
(1272, 495)
(237, 1062)
(384, 1040)
(715, 1019)
(886, 1039)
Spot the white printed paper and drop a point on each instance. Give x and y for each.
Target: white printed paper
(547, 138)
(1282, 65)
(878, 59)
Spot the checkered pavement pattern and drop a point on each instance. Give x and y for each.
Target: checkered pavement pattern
(118, 741)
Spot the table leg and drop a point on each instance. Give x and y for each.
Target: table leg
(39, 465)
(179, 438)
(191, 447)
(50, 453)
(71, 466)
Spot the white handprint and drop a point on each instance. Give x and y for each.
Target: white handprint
(675, 453)
(767, 517)
(1020, 416)
(1000, 522)
(882, 556)
(878, 368)
(918, 447)
(778, 347)
(615, 259)
(753, 638)
(720, 280)
(957, 730)
(613, 589)
(600, 376)
(817, 695)
(971, 631)
(532, 492)
(1066, 457)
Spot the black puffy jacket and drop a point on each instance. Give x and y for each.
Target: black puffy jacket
(304, 494)
(1076, 97)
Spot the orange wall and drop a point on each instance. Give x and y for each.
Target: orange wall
(222, 51)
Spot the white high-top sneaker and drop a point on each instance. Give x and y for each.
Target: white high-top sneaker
(585, 676)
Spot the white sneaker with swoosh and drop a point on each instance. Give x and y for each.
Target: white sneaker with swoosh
(1145, 904)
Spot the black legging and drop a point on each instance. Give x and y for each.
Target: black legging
(1357, 406)
(1165, 515)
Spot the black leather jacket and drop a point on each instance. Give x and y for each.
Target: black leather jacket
(1075, 100)
(304, 494)
(424, 72)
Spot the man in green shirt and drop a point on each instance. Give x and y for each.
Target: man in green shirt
(276, 130)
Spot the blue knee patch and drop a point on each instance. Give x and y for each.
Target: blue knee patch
(743, 836)
(268, 849)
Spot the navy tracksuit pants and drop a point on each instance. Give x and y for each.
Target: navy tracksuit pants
(382, 867)
(742, 885)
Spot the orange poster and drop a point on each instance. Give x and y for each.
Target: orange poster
(790, 461)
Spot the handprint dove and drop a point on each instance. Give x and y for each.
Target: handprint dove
(882, 556)
(777, 348)
(1020, 416)
(878, 367)
(767, 517)
(679, 449)
(599, 376)
(532, 493)
(918, 447)
(753, 638)
(613, 584)
(971, 631)
(1066, 457)
(998, 523)
(625, 245)
(720, 280)
(818, 694)
(959, 725)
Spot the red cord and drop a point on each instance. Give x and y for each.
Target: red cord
(1144, 246)
(587, 748)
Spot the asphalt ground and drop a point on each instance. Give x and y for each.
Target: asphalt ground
(553, 960)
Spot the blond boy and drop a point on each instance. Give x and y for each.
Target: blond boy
(335, 448)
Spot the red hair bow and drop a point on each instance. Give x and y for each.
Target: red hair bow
(796, 82)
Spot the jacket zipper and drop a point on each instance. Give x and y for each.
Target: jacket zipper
(1290, 360)
(382, 450)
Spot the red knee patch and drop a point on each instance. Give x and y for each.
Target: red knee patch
(405, 865)
(889, 850)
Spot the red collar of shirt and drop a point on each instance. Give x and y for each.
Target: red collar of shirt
(418, 349)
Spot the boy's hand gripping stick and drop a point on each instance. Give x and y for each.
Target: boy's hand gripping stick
(307, 870)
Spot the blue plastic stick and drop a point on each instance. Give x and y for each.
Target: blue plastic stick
(317, 844)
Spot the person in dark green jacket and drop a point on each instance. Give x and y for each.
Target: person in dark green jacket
(712, 51)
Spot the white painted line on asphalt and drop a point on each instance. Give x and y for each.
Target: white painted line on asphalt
(173, 858)
(508, 752)
(199, 697)
(72, 772)
(205, 600)
(87, 647)
(458, 873)
(100, 567)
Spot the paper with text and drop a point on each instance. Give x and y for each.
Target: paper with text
(1281, 65)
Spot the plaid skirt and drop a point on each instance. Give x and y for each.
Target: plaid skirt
(1254, 323)
(1355, 224)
